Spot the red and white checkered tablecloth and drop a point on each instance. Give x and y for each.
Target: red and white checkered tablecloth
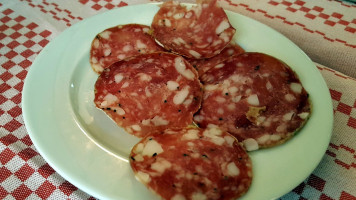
(324, 29)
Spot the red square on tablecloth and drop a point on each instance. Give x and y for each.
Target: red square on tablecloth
(16, 99)
(4, 87)
(13, 44)
(6, 76)
(4, 173)
(27, 154)
(12, 125)
(8, 64)
(22, 74)
(11, 54)
(3, 193)
(8, 139)
(67, 188)
(15, 111)
(27, 140)
(45, 170)
(20, 18)
(2, 99)
(19, 86)
(21, 192)
(346, 196)
(32, 26)
(24, 64)
(27, 53)
(17, 27)
(29, 43)
(45, 190)
(24, 172)
(6, 156)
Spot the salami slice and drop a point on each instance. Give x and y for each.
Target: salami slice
(201, 31)
(120, 42)
(149, 92)
(203, 65)
(192, 163)
(255, 97)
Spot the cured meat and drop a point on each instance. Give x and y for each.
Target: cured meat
(192, 163)
(120, 42)
(255, 97)
(204, 65)
(149, 93)
(201, 31)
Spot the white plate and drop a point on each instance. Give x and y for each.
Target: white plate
(83, 145)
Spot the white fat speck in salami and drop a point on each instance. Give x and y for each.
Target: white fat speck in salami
(179, 64)
(192, 166)
(261, 101)
(181, 96)
(120, 42)
(201, 31)
(151, 147)
(172, 85)
(143, 177)
(118, 78)
(222, 27)
(178, 197)
(296, 87)
(141, 100)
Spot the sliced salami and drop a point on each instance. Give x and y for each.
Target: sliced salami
(203, 65)
(201, 31)
(120, 42)
(149, 93)
(255, 97)
(192, 163)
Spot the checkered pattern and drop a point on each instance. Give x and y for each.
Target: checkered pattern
(322, 28)
(54, 10)
(23, 172)
(330, 19)
(317, 14)
(332, 179)
(19, 46)
(26, 26)
(98, 5)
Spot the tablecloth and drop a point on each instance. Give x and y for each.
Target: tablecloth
(324, 29)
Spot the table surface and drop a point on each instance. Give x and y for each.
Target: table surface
(324, 29)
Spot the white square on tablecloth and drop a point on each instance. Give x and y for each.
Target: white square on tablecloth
(36, 48)
(56, 179)
(78, 194)
(311, 193)
(15, 164)
(20, 132)
(35, 181)
(18, 58)
(2, 146)
(10, 93)
(17, 146)
(291, 195)
(5, 118)
(33, 196)
(57, 194)
(36, 162)
(9, 197)
(11, 183)
(15, 69)
(4, 50)
(13, 81)
(22, 39)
